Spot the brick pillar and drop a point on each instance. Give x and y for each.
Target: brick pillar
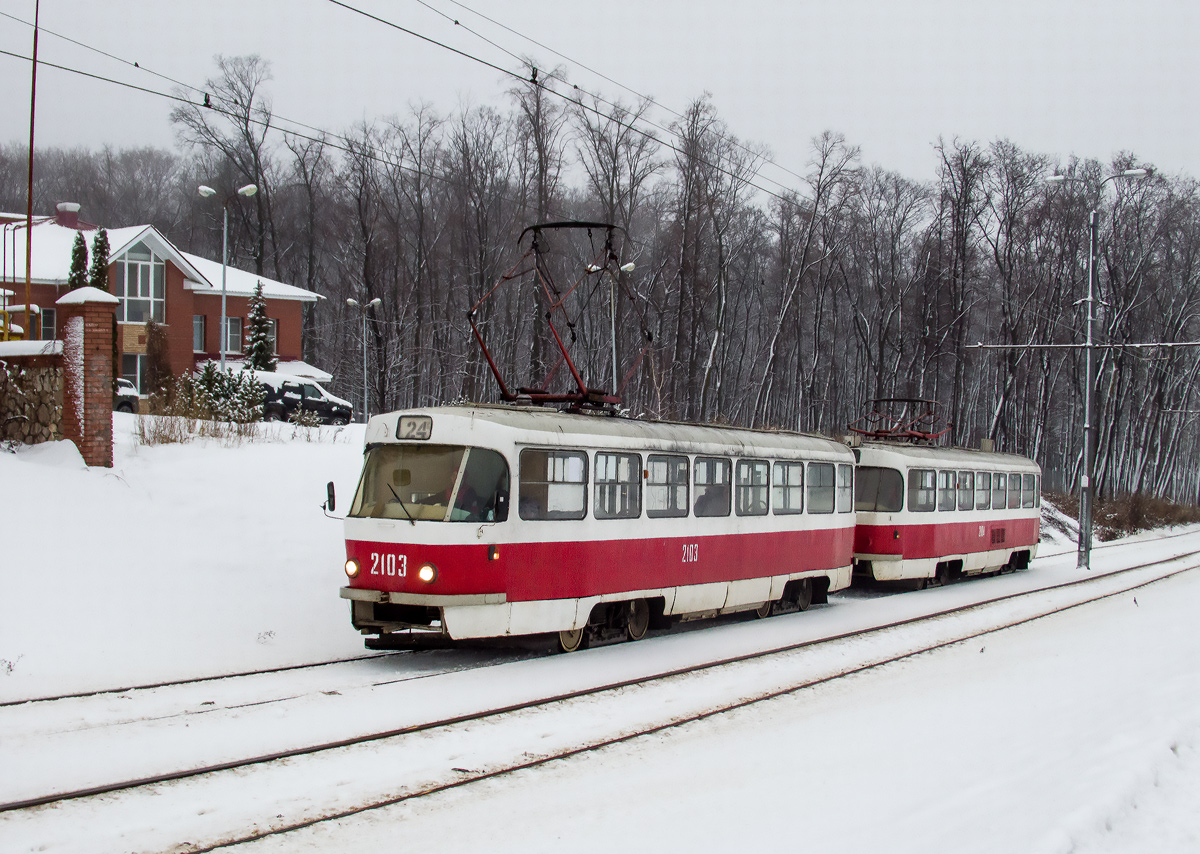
(87, 372)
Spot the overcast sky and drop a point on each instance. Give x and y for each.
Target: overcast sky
(1060, 77)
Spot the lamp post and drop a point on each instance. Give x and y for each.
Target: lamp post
(375, 303)
(612, 309)
(1084, 554)
(206, 191)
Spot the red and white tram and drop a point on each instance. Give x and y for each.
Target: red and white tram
(937, 513)
(495, 521)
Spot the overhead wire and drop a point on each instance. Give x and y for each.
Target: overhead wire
(327, 135)
(535, 82)
(647, 98)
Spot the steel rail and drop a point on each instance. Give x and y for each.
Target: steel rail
(196, 679)
(109, 788)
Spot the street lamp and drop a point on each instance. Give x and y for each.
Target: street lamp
(612, 309)
(1084, 555)
(206, 191)
(375, 303)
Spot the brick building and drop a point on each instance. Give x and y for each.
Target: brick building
(151, 278)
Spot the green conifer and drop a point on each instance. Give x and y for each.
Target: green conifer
(78, 277)
(259, 355)
(98, 275)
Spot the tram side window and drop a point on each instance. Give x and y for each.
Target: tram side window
(999, 490)
(845, 489)
(947, 496)
(553, 484)
(787, 488)
(666, 486)
(618, 490)
(1029, 493)
(1014, 490)
(712, 486)
(878, 490)
(922, 490)
(966, 490)
(983, 490)
(820, 488)
(751, 484)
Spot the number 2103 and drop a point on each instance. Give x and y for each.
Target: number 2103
(691, 552)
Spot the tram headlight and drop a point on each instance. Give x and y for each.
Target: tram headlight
(352, 567)
(427, 573)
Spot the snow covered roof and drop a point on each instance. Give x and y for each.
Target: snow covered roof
(29, 348)
(242, 283)
(52, 244)
(89, 294)
(288, 367)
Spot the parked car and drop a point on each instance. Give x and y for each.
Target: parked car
(287, 395)
(125, 397)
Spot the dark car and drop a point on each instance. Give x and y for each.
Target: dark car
(125, 397)
(287, 396)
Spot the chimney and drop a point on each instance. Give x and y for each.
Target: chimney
(68, 215)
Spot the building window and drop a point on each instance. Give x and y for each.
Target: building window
(48, 316)
(140, 283)
(199, 328)
(233, 335)
(273, 336)
(133, 368)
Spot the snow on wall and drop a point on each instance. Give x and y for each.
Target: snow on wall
(73, 368)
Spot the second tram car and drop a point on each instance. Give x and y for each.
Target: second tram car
(937, 513)
(494, 521)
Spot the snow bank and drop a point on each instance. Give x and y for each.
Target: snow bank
(182, 560)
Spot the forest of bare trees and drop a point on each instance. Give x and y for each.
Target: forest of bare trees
(750, 306)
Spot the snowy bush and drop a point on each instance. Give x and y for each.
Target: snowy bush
(211, 404)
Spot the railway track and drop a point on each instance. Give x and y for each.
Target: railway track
(744, 679)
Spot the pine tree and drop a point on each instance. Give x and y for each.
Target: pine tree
(98, 275)
(258, 355)
(77, 278)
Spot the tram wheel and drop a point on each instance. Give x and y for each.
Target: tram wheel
(638, 619)
(764, 610)
(569, 641)
(943, 574)
(804, 595)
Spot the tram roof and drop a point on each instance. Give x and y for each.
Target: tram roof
(537, 420)
(934, 456)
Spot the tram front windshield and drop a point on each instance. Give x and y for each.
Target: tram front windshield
(435, 483)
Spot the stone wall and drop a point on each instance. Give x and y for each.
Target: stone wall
(30, 402)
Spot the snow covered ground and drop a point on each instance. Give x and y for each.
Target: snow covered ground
(1074, 733)
(182, 560)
